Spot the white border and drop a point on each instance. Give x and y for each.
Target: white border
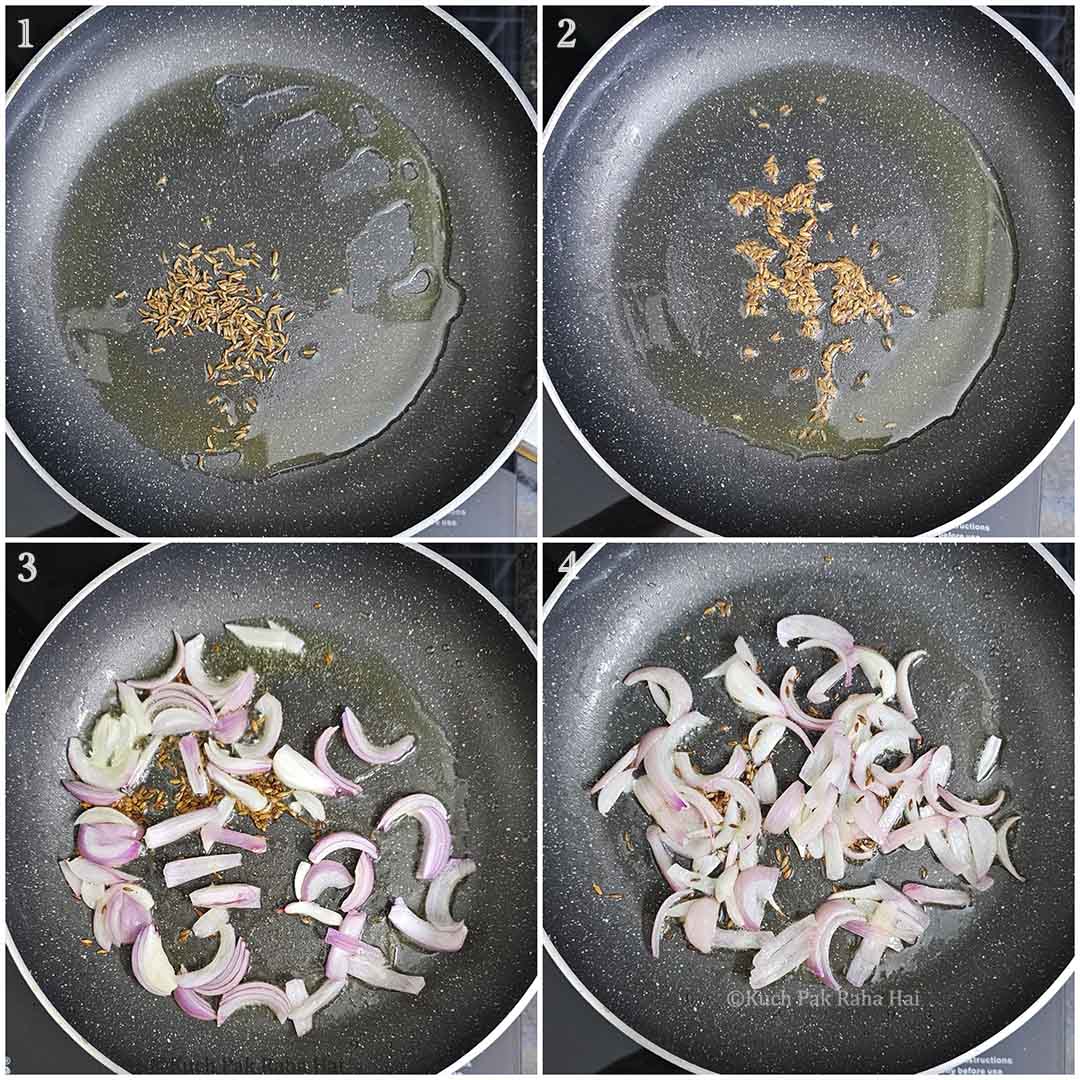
(104, 576)
(500, 457)
(650, 503)
(674, 1059)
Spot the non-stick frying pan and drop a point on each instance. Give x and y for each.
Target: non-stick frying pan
(414, 648)
(944, 136)
(998, 624)
(387, 157)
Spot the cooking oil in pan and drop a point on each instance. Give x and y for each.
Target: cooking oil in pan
(907, 194)
(305, 166)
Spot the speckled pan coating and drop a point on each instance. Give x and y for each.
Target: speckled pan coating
(479, 137)
(412, 643)
(638, 91)
(998, 624)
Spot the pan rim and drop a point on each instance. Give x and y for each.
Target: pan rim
(516, 436)
(144, 551)
(671, 516)
(620, 1025)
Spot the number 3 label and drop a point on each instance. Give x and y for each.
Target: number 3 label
(29, 567)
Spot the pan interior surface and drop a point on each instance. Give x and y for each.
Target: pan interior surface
(907, 196)
(384, 165)
(346, 211)
(377, 638)
(980, 614)
(931, 260)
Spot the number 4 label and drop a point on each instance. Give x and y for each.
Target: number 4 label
(568, 564)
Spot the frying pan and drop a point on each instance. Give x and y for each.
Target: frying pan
(416, 648)
(933, 125)
(123, 141)
(998, 624)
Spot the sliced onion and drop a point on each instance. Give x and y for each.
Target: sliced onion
(792, 709)
(296, 992)
(302, 868)
(296, 771)
(764, 784)
(680, 699)
(180, 696)
(336, 841)
(741, 939)
(879, 672)
(793, 627)
(829, 918)
(384, 977)
(1002, 847)
(91, 893)
(327, 991)
(216, 967)
(440, 893)
(75, 883)
(91, 793)
(988, 758)
(363, 884)
(230, 726)
(244, 793)
(172, 829)
(227, 896)
(193, 766)
(309, 910)
(235, 766)
(434, 824)
(169, 674)
(338, 954)
(269, 708)
(179, 722)
(210, 922)
(926, 894)
(746, 688)
(422, 933)
(785, 811)
(624, 764)
(96, 775)
(150, 964)
(132, 707)
(181, 871)
(193, 1005)
(699, 922)
(108, 844)
(963, 808)
(818, 694)
(254, 993)
(213, 688)
(786, 951)
(322, 876)
(126, 910)
(274, 639)
(753, 889)
(217, 834)
(231, 977)
(659, 759)
(143, 762)
(664, 912)
(310, 804)
(881, 743)
(903, 686)
(97, 874)
(322, 743)
(366, 750)
(983, 840)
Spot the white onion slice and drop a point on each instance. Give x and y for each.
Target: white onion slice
(328, 990)
(210, 922)
(423, 933)
(296, 992)
(699, 922)
(1003, 846)
(269, 708)
(667, 910)
(227, 896)
(181, 871)
(193, 766)
(746, 688)
(903, 686)
(213, 688)
(366, 750)
(313, 911)
(764, 784)
(169, 674)
(250, 796)
(273, 637)
(988, 758)
(384, 977)
(310, 804)
(150, 964)
(204, 975)
(679, 696)
(441, 892)
(297, 772)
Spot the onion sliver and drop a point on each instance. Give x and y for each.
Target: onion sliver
(227, 896)
(785, 811)
(296, 771)
(903, 685)
(384, 977)
(746, 688)
(664, 912)
(235, 766)
(336, 841)
(193, 1005)
(296, 992)
(172, 829)
(434, 823)
(679, 696)
(250, 796)
(213, 688)
(322, 744)
(254, 993)
(440, 893)
(322, 876)
(193, 766)
(753, 889)
(269, 708)
(217, 966)
(210, 922)
(275, 639)
(422, 933)
(363, 883)
(91, 793)
(327, 991)
(169, 674)
(699, 922)
(150, 964)
(307, 909)
(926, 894)
(366, 750)
(181, 871)
(1003, 846)
(829, 918)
